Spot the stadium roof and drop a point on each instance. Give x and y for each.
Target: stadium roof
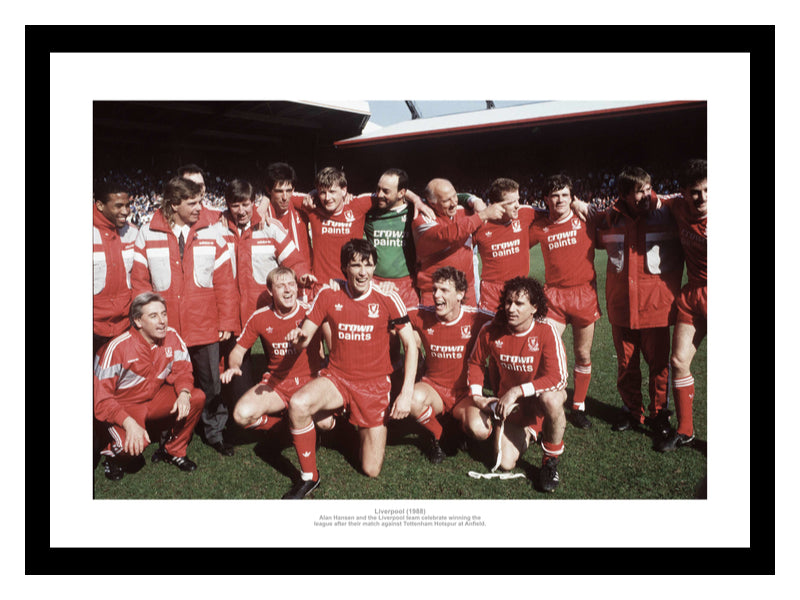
(229, 127)
(512, 117)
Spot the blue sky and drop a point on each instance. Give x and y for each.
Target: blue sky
(388, 112)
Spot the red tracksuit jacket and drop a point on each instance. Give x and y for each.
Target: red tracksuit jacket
(200, 290)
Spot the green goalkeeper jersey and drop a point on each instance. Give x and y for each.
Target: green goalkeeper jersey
(390, 232)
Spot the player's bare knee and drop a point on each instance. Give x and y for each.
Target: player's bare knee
(300, 405)
(242, 415)
(680, 366)
(371, 469)
(478, 429)
(508, 463)
(553, 402)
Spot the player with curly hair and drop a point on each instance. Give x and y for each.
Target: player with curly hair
(528, 357)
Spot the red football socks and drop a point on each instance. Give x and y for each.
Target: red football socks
(552, 450)
(266, 422)
(305, 443)
(683, 392)
(429, 421)
(582, 375)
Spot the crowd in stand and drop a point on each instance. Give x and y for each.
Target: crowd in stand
(596, 187)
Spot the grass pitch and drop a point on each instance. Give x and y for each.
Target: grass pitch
(597, 463)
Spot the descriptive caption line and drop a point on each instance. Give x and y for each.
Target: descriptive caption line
(399, 517)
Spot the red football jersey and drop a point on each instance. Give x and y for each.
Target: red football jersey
(360, 328)
(504, 248)
(283, 360)
(448, 345)
(443, 242)
(693, 236)
(536, 357)
(567, 248)
(330, 232)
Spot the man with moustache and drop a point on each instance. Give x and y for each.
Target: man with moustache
(388, 228)
(528, 356)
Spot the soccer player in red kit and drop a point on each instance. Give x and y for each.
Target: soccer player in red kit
(567, 244)
(529, 357)
(263, 406)
(447, 332)
(362, 318)
(691, 213)
(446, 239)
(336, 219)
(503, 243)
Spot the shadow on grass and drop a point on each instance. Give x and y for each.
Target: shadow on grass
(270, 446)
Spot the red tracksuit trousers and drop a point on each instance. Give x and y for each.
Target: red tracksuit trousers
(654, 345)
(158, 410)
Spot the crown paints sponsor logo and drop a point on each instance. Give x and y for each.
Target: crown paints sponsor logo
(438, 351)
(521, 364)
(282, 348)
(564, 238)
(354, 332)
(505, 248)
(337, 227)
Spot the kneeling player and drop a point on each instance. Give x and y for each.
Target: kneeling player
(529, 358)
(361, 318)
(264, 405)
(447, 331)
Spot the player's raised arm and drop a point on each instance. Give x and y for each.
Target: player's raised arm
(300, 337)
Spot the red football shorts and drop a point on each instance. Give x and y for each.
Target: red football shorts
(447, 394)
(405, 288)
(576, 305)
(529, 416)
(490, 295)
(285, 388)
(693, 305)
(365, 399)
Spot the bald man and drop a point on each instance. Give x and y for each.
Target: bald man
(446, 239)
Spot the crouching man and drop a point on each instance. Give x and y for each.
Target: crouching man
(143, 376)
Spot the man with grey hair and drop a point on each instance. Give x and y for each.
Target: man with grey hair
(145, 376)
